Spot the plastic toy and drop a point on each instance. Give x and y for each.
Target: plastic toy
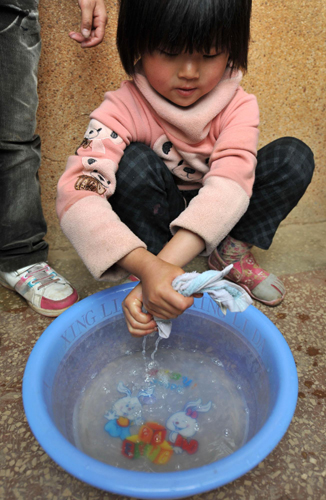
(149, 442)
(183, 425)
(125, 412)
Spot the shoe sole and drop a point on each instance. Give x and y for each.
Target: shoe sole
(49, 313)
(271, 303)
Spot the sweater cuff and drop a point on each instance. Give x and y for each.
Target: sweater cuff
(99, 237)
(212, 214)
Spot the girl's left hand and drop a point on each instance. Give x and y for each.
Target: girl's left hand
(138, 322)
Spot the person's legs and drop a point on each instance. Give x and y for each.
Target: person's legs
(146, 197)
(284, 171)
(22, 224)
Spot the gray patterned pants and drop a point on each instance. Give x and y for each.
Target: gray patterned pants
(147, 198)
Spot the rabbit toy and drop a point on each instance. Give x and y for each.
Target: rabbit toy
(126, 412)
(183, 425)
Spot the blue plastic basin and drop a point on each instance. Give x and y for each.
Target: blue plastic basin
(85, 336)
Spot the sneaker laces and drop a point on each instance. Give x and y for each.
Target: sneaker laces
(39, 273)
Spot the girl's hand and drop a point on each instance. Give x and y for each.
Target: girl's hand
(159, 298)
(156, 294)
(138, 322)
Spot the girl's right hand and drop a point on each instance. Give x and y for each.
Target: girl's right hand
(156, 295)
(138, 322)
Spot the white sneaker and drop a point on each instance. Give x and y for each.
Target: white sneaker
(46, 291)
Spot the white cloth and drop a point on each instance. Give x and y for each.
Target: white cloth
(227, 295)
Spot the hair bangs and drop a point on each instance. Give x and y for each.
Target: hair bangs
(183, 25)
(188, 26)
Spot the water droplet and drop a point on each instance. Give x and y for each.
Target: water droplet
(226, 432)
(239, 387)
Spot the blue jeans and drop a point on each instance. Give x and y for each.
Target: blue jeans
(22, 224)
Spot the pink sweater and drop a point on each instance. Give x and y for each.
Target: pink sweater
(217, 137)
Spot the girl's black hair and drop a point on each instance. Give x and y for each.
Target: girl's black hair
(178, 25)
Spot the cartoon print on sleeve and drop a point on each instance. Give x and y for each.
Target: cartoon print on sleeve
(99, 176)
(192, 167)
(187, 166)
(95, 134)
(165, 150)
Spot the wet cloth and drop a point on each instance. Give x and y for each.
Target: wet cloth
(226, 295)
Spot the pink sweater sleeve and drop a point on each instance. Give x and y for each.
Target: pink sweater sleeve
(85, 214)
(227, 187)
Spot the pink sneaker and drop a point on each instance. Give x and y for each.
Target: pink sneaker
(46, 291)
(258, 283)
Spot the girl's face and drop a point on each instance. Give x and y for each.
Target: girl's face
(184, 78)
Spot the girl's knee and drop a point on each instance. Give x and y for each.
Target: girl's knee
(143, 165)
(293, 157)
(135, 165)
(297, 153)
(138, 156)
(299, 164)
(286, 162)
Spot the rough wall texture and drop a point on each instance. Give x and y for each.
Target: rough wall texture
(287, 73)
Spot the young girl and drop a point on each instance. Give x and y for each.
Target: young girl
(166, 170)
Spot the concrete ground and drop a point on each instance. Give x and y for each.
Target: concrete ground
(296, 468)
